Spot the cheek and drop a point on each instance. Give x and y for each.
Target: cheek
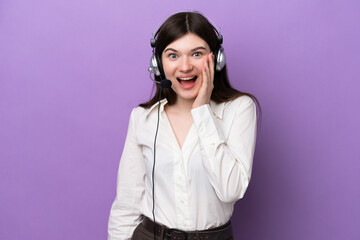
(200, 78)
(169, 71)
(167, 64)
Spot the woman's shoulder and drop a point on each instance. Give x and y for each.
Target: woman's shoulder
(242, 108)
(243, 101)
(138, 112)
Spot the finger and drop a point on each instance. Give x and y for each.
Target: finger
(206, 67)
(212, 68)
(208, 70)
(205, 77)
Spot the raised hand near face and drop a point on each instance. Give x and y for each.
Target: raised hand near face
(207, 82)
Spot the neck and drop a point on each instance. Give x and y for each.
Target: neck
(183, 105)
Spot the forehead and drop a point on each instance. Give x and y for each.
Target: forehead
(187, 42)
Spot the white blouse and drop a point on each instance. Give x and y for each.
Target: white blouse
(196, 186)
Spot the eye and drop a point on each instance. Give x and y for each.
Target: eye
(197, 54)
(172, 56)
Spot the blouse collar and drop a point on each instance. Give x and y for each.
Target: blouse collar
(217, 108)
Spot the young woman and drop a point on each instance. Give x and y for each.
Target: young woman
(204, 145)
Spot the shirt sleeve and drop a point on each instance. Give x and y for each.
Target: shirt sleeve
(228, 160)
(125, 210)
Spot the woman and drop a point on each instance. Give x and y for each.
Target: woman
(203, 148)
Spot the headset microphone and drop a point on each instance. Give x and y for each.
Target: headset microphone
(165, 83)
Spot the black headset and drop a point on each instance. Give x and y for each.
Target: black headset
(157, 69)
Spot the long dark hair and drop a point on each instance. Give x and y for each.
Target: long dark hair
(177, 26)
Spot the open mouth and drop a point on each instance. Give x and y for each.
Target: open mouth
(187, 81)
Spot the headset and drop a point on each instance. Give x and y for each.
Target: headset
(157, 69)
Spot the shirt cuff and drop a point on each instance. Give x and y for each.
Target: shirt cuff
(208, 130)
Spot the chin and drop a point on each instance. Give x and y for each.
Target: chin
(188, 96)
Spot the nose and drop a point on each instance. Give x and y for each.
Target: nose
(186, 65)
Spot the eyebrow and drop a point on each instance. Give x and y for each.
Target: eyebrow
(198, 48)
(192, 50)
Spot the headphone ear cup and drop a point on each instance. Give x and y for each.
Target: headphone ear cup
(160, 67)
(220, 59)
(154, 65)
(216, 53)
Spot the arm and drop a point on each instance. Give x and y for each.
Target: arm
(228, 161)
(124, 214)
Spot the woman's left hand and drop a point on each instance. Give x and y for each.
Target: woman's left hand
(207, 82)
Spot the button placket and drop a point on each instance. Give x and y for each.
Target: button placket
(181, 193)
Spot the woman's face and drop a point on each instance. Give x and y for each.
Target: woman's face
(183, 61)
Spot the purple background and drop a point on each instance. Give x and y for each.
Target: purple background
(71, 71)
